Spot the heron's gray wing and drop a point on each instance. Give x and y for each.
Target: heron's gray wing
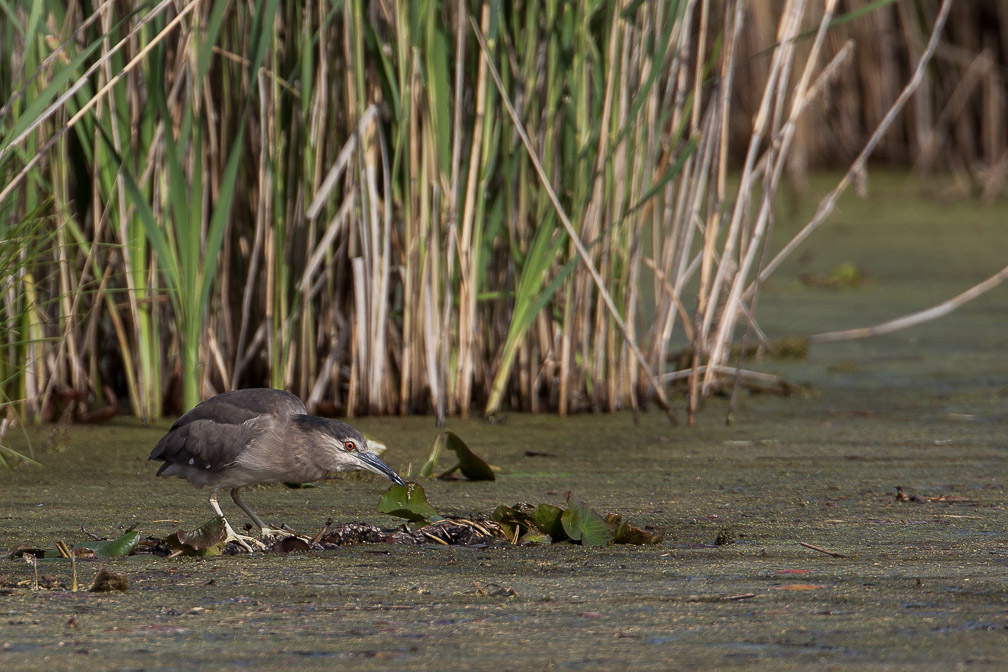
(236, 407)
(214, 433)
(205, 444)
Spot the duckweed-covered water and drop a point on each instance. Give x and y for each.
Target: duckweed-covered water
(921, 584)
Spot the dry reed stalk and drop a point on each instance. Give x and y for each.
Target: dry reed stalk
(977, 72)
(782, 133)
(578, 245)
(468, 242)
(727, 371)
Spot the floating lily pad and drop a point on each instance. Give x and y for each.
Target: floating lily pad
(115, 548)
(535, 538)
(207, 539)
(581, 523)
(547, 519)
(111, 548)
(472, 466)
(409, 502)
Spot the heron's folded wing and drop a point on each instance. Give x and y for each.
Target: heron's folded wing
(205, 444)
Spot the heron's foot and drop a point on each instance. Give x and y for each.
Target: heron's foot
(242, 540)
(268, 533)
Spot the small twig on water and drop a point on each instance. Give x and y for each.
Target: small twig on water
(494, 590)
(63, 549)
(743, 596)
(434, 538)
(321, 533)
(93, 536)
(822, 550)
(913, 319)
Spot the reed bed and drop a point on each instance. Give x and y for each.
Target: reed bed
(427, 207)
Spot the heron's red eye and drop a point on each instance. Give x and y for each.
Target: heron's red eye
(349, 446)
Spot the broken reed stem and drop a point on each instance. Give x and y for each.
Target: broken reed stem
(755, 376)
(822, 550)
(913, 319)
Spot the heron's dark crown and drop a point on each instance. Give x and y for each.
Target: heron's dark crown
(339, 431)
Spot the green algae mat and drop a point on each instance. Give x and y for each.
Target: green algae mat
(819, 561)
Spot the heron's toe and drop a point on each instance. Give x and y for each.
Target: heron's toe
(268, 533)
(250, 544)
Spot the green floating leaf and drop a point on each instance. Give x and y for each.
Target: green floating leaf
(428, 468)
(547, 519)
(409, 502)
(513, 517)
(207, 539)
(115, 548)
(472, 465)
(583, 524)
(535, 539)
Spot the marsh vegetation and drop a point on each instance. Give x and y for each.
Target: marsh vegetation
(435, 207)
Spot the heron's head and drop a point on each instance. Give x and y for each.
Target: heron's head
(344, 447)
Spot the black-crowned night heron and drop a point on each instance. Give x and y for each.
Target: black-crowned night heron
(248, 437)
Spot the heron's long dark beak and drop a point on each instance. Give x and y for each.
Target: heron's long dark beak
(372, 463)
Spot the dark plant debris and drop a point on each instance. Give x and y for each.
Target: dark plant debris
(207, 539)
(518, 524)
(943, 498)
(493, 590)
(725, 536)
(107, 581)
